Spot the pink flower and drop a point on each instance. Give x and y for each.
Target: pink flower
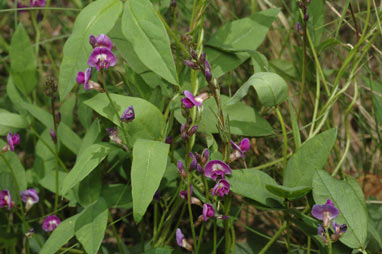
(50, 223)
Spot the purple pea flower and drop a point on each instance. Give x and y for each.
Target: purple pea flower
(113, 135)
(181, 169)
(338, 231)
(13, 140)
(128, 115)
(208, 211)
(50, 223)
(183, 193)
(102, 58)
(37, 3)
(191, 64)
(181, 241)
(205, 155)
(322, 234)
(190, 100)
(29, 197)
(207, 71)
(221, 188)
(216, 168)
(194, 163)
(102, 41)
(84, 77)
(325, 212)
(53, 135)
(239, 150)
(5, 199)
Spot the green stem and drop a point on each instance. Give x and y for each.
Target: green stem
(189, 175)
(214, 237)
(285, 147)
(201, 236)
(115, 233)
(329, 242)
(303, 78)
(273, 239)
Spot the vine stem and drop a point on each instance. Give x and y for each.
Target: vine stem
(274, 238)
(190, 210)
(115, 233)
(303, 78)
(329, 242)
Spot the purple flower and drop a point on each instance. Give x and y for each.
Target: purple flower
(239, 150)
(298, 27)
(190, 100)
(321, 233)
(128, 115)
(29, 197)
(5, 199)
(37, 3)
(205, 155)
(101, 41)
(339, 229)
(221, 188)
(207, 71)
(53, 135)
(216, 168)
(13, 140)
(325, 212)
(113, 135)
(102, 58)
(181, 168)
(194, 163)
(183, 193)
(168, 140)
(84, 77)
(208, 211)
(191, 64)
(50, 223)
(181, 241)
(186, 131)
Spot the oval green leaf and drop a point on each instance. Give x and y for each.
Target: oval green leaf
(310, 157)
(251, 184)
(149, 165)
(96, 18)
(345, 198)
(148, 37)
(271, 89)
(148, 123)
(290, 193)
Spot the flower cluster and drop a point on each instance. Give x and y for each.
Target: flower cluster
(101, 58)
(199, 63)
(327, 213)
(29, 197)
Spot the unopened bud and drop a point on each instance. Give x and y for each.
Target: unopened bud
(191, 64)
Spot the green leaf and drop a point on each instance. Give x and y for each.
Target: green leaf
(90, 188)
(85, 164)
(290, 193)
(23, 62)
(271, 89)
(309, 158)
(67, 109)
(245, 34)
(10, 121)
(251, 184)
(149, 165)
(148, 123)
(7, 183)
(68, 137)
(118, 196)
(352, 210)
(14, 95)
(91, 225)
(223, 62)
(244, 120)
(91, 136)
(316, 20)
(40, 114)
(96, 18)
(60, 236)
(16, 165)
(148, 37)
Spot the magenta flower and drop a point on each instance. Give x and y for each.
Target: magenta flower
(5, 199)
(168, 140)
(84, 77)
(101, 41)
(102, 58)
(190, 100)
(50, 223)
(239, 150)
(325, 212)
(216, 168)
(208, 211)
(183, 193)
(205, 155)
(181, 241)
(29, 197)
(37, 3)
(221, 188)
(113, 135)
(181, 169)
(13, 140)
(186, 131)
(128, 115)
(207, 71)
